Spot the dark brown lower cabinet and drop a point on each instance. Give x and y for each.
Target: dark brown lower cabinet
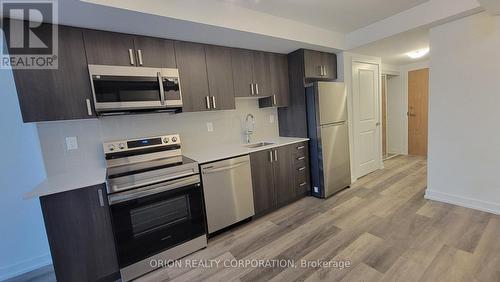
(264, 195)
(278, 178)
(78, 226)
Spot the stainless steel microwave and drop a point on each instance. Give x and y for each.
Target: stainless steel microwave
(118, 89)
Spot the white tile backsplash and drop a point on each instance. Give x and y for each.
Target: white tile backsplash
(228, 127)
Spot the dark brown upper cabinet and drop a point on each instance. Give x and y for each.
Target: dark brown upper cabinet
(320, 65)
(193, 76)
(242, 68)
(251, 73)
(109, 48)
(117, 49)
(154, 52)
(220, 78)
(279, 82)
(60, 94)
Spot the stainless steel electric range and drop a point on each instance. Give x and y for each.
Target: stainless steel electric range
(156, 202)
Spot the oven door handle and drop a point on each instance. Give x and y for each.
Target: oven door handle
(144, 192)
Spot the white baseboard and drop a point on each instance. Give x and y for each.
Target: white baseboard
(22, 267)
(463, 201)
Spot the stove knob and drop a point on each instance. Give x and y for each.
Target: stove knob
(111, 147)
(121, 146)
(165, 140)
(174, 139)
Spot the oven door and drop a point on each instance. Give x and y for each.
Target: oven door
(134, 88)
(149, 220)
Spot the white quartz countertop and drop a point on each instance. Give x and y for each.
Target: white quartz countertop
(95, 176)
(224, 151)
(68, 181)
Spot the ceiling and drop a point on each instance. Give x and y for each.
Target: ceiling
(393, 50)
(337, 15)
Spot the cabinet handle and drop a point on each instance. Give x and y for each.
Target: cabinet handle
(300, 147)
(89, 107)
(300, 158)
(302, 168)
(207, 99)
(276, 155)
(101, 198)
(256, 89)
(302, 184)
(274, 99)
(324, 71)
(213, 102)
(131, 56)
(271, 156)
(139, 55)
(320, 70)
(253, 91)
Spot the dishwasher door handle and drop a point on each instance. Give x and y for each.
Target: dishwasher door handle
(213, 170)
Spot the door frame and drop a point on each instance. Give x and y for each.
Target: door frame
(348, 59)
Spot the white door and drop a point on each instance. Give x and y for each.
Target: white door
(367, 137)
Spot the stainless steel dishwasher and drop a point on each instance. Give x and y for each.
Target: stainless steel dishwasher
(227, 187)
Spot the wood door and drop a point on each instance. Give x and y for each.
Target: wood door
(329, 62)
(384, 115)
(418, 101)
(261, 74)
(155, 52)
(279, 82)
(80, 235)
(366, 118)
(193, 76)
(109, 48)
(242, 67)
(283, 167)
(312, 64)
(264, 194)
(59, 94)
(220, 77)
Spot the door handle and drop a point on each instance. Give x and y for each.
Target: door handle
(253, 91)
(89, 107)
(139, 55)
(256, 89)
(207, 100)
(162, 92)
(212, 170)
(101, 198)
(320, 70)
(213, 102)
(324, 71)
(271, 156)
(131, 56)
(274, 99)
(276, 155)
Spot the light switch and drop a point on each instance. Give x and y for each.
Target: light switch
(210, 126)
(271, 118)
(71, 143)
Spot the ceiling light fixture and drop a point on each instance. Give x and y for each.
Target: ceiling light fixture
(418, 53)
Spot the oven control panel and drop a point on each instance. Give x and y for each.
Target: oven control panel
(141, 143)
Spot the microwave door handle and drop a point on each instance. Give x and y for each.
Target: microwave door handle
(162, 92)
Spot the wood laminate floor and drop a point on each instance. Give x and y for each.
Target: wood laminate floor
(382, 226)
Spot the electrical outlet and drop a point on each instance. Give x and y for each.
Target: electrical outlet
(210, 126)
(271, 118)
(71, 143)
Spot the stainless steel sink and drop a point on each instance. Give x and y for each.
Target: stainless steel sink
(259, 144)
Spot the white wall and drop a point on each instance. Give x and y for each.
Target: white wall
(464, 151)
(228, 127)
(23, 242)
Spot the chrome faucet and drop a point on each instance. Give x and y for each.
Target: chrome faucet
(250, 126)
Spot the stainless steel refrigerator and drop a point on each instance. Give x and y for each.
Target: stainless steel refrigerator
(328, 131)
